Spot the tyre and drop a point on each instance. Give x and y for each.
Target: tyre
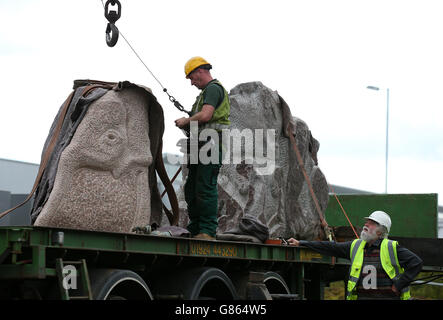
(275, 283)
(116, 284)
(203, 283)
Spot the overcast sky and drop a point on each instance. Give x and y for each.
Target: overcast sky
(319, 55)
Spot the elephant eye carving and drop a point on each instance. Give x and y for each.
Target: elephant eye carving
(111, 137)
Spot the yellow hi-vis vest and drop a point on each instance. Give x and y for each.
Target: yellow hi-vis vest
(220, 118)
(389, 262)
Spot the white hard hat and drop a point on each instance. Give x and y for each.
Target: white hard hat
(381, 218)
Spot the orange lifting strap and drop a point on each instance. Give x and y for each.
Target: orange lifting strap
(344, 212)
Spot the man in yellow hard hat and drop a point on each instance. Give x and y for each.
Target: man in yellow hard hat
(211, 110)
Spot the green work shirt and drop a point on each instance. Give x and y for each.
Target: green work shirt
(213, 94)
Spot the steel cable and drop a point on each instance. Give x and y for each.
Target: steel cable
(139, 58)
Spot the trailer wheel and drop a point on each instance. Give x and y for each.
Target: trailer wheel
(204, 283)
(115, 284)
(275, 283)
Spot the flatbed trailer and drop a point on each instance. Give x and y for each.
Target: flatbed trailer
(34, 259)
(52, 263)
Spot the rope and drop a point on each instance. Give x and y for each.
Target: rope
(344, 212)
(172, 180)
(136, 54)
(308, 182)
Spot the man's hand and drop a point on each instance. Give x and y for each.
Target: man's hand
(203, 116)
(293, 242)
(182, 122)
(395, 290)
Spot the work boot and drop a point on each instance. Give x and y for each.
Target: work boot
(204, 236)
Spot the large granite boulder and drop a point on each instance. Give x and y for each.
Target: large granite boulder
(101, 175)
(273, 192)
(104, 174)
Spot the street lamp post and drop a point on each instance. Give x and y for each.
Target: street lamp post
(387, 134)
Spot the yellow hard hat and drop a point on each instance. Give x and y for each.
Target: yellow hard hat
(194, 63)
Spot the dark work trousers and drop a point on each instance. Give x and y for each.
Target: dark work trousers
(201, 196)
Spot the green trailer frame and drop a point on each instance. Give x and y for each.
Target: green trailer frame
(31, 253)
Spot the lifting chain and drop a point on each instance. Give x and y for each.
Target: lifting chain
(177, 104)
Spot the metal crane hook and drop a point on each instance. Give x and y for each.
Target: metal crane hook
(112, 16)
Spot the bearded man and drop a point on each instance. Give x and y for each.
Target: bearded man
(380, 268)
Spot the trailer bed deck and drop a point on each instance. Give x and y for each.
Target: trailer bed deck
(27, 251)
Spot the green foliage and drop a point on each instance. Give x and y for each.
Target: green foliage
(336, 290)
(427, 291)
